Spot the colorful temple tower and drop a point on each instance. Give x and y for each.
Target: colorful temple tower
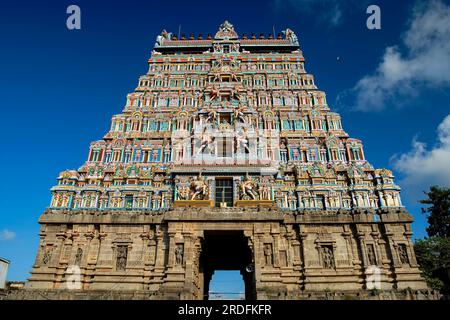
(226, 156)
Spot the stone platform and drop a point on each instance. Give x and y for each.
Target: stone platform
(193, 203)
(254, 203)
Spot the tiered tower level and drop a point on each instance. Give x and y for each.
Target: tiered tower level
(226, 140)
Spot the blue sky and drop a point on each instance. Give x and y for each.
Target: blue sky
(59, 88)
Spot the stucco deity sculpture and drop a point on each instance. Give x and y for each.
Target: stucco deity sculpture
(248, 188)
(242, 140)
(238, 114)
(183, 193)
(199, 188)
(214, 93)
(212, 116)
(207, 142)
(163, 36)
(290, 35)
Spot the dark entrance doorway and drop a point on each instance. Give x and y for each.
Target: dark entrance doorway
(227, 250)
(224, 192)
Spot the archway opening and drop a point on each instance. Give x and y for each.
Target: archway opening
(227, 251)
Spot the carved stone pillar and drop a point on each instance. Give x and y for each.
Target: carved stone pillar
(171, 250)
(290, 252)
(93, 247)
(275, 233)
(41, 249)
(152, 244)
(376, 241)
(295, 245)
(58, 255)
(302, 237)
(55, 261)
(258, 254)
(196, 272)
(348, 242)
(67, 250)
(393, 250)
(145, 256)
(362, 246)
(410, 248)
(161, 254)
(189, 262)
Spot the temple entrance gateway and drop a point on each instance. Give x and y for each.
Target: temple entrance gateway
(215, 139)
(227, 250)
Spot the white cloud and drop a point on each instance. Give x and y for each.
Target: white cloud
(425, 60)
(423, 168)
(6, 234)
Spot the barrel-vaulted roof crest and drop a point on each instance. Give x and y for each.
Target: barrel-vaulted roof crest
(226, 32)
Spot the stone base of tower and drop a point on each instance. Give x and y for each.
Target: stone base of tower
(174, 254)
(349, 295)
(275, 293)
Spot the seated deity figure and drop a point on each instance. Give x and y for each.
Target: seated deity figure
(248, 188)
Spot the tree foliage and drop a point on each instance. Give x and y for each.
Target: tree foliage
(433, 253)
(433, 256)
(438, 211)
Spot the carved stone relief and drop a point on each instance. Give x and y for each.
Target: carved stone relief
(179, 254)
(327, 257)
(403, 254)
(268, 254)
(121, 260)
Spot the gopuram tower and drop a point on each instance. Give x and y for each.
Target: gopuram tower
(225, 157)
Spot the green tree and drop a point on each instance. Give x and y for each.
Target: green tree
(438, 211)
(433, 253)
(433, 256)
